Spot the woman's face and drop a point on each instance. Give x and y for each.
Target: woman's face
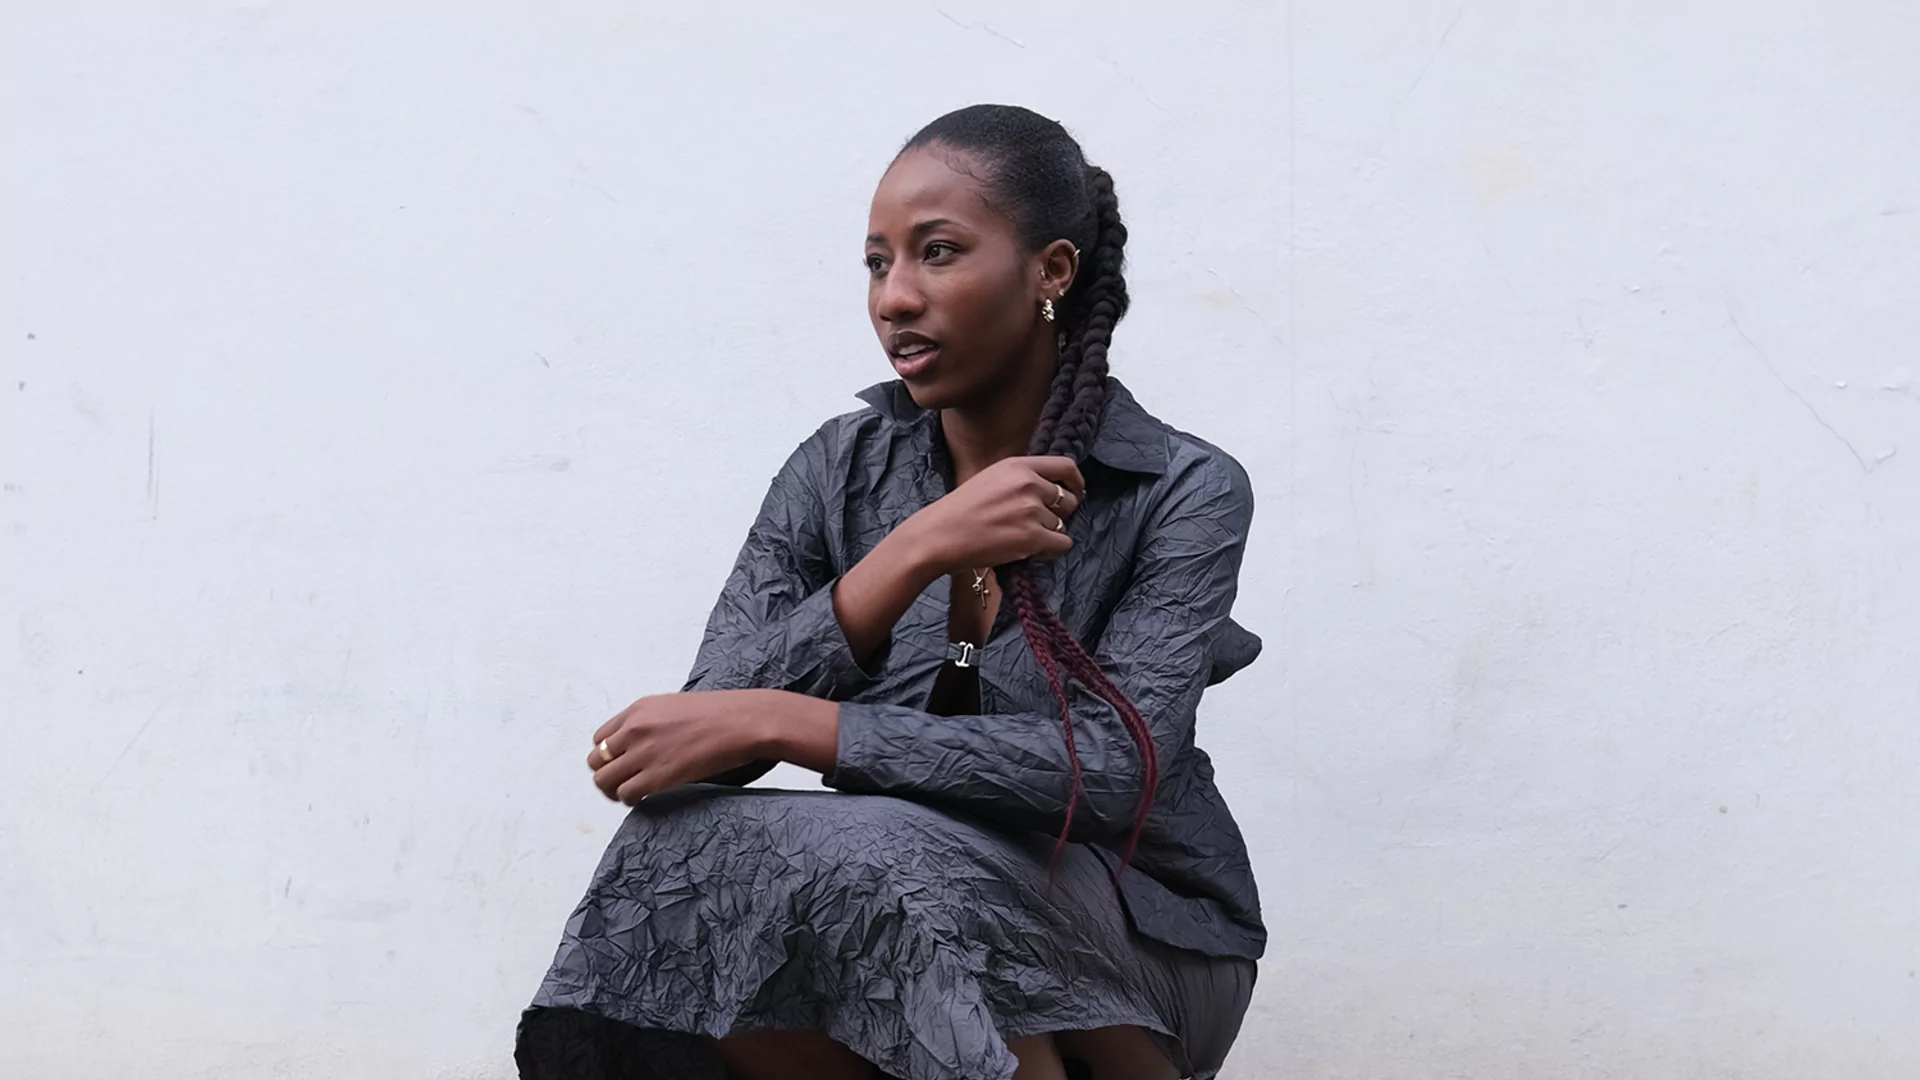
(953, 294)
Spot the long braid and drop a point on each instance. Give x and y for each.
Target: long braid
(1059, 395)
(1041, 178)
(1079, 393)
(1103, 304)
(1033, 620)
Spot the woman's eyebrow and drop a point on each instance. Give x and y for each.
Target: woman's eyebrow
(923, 227)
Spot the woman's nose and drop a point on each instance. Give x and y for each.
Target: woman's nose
(900, 298)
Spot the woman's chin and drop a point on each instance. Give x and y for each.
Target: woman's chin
(929, 393)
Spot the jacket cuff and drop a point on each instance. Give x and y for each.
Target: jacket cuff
(866, 758)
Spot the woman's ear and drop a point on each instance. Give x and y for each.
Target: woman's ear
(1059, 264)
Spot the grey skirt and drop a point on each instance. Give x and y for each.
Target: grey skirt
(921, 939)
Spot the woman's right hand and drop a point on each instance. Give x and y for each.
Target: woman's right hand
(1014, 509)
(997, 517)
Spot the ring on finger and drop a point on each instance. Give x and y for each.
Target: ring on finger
(1059, 496)
(605, 753)
(1059, 524)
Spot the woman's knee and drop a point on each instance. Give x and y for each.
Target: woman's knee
(1038, 1057)
(776, 1055)
(1117, 1053)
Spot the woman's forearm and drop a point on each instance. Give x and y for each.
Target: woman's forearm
(870, 598)
(797, 729)
(781, 725)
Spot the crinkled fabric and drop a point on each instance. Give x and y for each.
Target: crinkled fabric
(908, 915)
(1147, 588)
(920, 939)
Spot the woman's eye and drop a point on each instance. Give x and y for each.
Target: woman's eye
(874, 264)
(940, 247)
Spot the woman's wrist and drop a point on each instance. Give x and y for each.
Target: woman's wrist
(916, 550)
(872, 596)
(795, 728)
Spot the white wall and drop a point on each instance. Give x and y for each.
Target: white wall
(385, 394)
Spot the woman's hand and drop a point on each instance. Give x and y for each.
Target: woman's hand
(1014, 509)
(661, 742)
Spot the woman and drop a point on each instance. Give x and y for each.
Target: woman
(1026, 869)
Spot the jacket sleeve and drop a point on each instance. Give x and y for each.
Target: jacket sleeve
(773, 626)
(1013, 768)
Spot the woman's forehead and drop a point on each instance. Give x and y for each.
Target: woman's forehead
(923, 184)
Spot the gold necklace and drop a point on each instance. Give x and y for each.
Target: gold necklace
(980, 586)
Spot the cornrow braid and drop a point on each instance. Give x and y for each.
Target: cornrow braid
(1039, 176)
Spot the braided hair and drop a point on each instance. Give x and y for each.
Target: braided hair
(1036, 173)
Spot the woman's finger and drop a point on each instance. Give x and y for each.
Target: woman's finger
(624, 766)
(1060, 470)
(1056, 496)
(1052, 546)
(612, 725)
(1052, 539)
(603, 752)
(604, 789)
(637, 788)
(606, 747)
(1052, 521)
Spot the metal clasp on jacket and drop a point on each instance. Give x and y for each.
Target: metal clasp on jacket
(962, 653)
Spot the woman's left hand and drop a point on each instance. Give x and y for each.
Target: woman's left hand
(671, 739)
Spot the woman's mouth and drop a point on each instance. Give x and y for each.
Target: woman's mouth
(912, 357)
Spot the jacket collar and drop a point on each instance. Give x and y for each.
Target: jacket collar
(1128, 437)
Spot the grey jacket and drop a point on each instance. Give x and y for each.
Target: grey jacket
(1147, 588)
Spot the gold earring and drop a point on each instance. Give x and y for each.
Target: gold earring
(1046, 309)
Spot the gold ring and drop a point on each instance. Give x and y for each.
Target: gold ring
(1059, 524)
(605, 754)
(1059, 496)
